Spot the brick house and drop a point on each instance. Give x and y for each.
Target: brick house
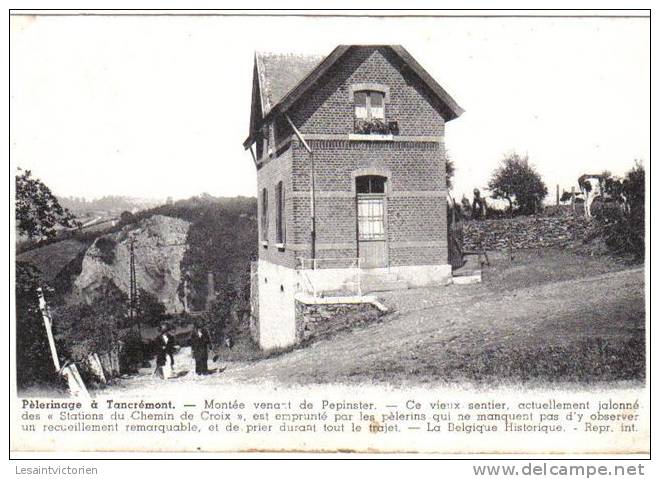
(350, 159)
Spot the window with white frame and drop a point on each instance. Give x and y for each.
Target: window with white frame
(369, 105)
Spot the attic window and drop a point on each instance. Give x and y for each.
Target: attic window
(369, 105)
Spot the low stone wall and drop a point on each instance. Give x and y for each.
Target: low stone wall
(524, 232)
(317, 320)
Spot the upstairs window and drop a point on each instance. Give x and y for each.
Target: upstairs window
(280, 223)
(264, 215)
(369, 105)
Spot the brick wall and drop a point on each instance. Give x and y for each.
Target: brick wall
(328, 109)
(416, 196)
(272, 172)
(415, 200)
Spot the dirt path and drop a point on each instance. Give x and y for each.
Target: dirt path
(431, 322)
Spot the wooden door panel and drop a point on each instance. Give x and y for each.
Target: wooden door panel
(373, 254)
(372, 245)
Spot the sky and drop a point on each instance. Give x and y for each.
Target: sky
(158, 106)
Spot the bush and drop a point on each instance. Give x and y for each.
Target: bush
(229, 311)
(106, 247)
(91, 328)
(623, 227)
(85, 329)
(150, 310)
(133, 351)
(34, 363)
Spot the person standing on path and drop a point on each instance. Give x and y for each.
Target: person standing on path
(165, 348)
(199, 344)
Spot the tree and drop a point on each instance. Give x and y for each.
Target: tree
(126, 217)
(518, 182)
(150, 309)
(450, 169)
(624, 227)
(34, 364)
(38, 212)
(230, 310)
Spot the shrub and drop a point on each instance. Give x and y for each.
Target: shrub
(133, 351)
(150, 309)
(229, 311)
(91, 328)
(34, 363)
(106, 247)
(623, 227)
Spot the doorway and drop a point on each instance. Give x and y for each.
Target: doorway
(371, 221)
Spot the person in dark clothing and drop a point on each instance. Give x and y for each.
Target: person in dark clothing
(165, 348)
(199, 343)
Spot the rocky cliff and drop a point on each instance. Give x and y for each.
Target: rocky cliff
(159, 245)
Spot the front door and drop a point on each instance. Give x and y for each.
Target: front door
(371, 221)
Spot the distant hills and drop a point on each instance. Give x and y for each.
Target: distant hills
(107, 205)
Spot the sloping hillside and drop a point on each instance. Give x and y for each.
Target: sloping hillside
(51, 259)
(582, 328)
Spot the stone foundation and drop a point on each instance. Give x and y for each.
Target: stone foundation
(315, 321)
(278, 320)
(275, 327)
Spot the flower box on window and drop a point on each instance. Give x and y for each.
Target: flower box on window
(376, 126)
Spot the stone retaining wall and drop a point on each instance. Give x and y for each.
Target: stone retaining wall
(524, 232)
(317, 320)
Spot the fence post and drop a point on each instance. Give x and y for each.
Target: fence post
(573, 198)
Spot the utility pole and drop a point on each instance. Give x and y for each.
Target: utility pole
(313, 208)
(312, 187)
(134, 300)
(132, 310)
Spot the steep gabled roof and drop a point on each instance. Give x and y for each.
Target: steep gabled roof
(280, 73)
(283, 79)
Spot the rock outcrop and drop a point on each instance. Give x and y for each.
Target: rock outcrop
(159, 244)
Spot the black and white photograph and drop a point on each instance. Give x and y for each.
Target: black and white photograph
(322, 232)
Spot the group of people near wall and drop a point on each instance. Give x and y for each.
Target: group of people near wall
(166, 346)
